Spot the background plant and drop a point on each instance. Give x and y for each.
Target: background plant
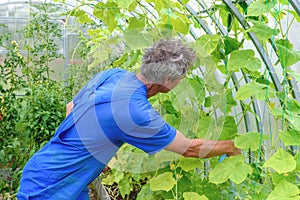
(32, 103)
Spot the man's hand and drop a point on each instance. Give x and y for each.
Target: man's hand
(235, 151)
(69, 108)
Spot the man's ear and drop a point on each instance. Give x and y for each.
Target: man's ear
(167, 80)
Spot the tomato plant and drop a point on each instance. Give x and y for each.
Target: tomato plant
(32, 105)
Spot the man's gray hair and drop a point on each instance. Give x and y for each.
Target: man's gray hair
(166, 59)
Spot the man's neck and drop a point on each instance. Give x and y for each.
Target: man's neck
(152, 88)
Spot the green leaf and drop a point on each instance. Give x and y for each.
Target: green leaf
(163, 181)
(230, 101)
(188, 164)
(172, 120)
(263, 31)
(118, 176)
(124, 3)
(292, 118)
(146, 193)
(81, 16)
(193, 196)
(295, 14)
(108, 180)
(258, 91)
(203, 126)
(241, 172)
(132, 58)
(247, 141)
(200, 52)
(20, 127)
(184, 182)
(125, 186)
(209, 42)
(229, 130)
(136, 23)
(138, 39)
(281, 161)
(107, 13)
(243, 59)
(185, 1)
(285, 191)
(176, 22)
(169, 108)
(290, 137)
(232, 168)
(293, 106)
(165, 157)
(284, 2)
(159, 4)
(297, 158)
(120, 60)
(287, 55)
(231, 44)
(199, 88)
(210, 190)
(277, 178)
(260, 7)
(98, 33)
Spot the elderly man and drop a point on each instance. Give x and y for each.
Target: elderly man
(112, 109)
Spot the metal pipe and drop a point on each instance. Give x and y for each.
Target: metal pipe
(296, 5)
(256, 43)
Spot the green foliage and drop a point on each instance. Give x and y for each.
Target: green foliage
(285, 190)
(287, 55)
(193, 196)
(260, 7)
(31, 104)
(232, 168)
(163, 181)
(249, 140)
(256, 90)
(290, 137)
(243, 59)
(209, 42)
(188, 164)
(201, 106)
(281, 161)
(263, 31)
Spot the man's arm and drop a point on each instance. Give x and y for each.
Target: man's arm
(199, 148)
(69, 108)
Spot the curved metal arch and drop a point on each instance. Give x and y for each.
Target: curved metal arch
(296, 5)
(256, 43)
(262, 52)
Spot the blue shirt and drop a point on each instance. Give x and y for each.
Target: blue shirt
(111, 109)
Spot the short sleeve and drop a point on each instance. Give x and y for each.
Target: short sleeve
(150, 132)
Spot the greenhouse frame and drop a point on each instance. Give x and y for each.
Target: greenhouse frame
(243, 87)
